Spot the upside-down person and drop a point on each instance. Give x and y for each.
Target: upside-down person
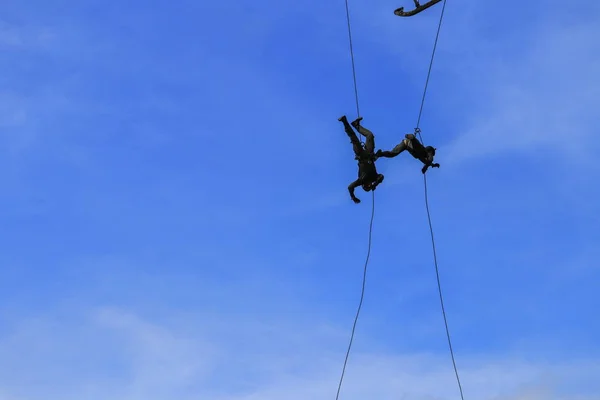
(368, 177)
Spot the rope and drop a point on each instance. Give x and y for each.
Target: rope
(364, 279)
(353, 66)
(437, 273)
(362, 295)
(418, 131)
(429, 71)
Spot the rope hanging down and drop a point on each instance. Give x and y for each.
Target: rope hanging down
(418, 131)
(362, 295)
(437, 273)
(352, 59)
(364, 279)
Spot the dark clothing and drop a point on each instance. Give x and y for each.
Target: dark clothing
(368, 177)
(415, 148)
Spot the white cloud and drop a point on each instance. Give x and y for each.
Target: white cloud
(27, 119)
(21, 37)
(544, 101)
(12, 110)
(159, 357)
(121, 356)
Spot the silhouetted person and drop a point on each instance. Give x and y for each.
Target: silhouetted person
(368, 177)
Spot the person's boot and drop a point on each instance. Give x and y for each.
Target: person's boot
(356, 122)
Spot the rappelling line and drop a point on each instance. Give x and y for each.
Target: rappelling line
(364, 280)
(362, 295)
(352, 59)
(418, 132)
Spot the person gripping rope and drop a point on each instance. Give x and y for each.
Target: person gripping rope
(368, 177)
(415, 149)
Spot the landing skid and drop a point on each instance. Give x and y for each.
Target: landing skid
(401, 13)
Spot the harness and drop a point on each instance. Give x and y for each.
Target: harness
(365, 157)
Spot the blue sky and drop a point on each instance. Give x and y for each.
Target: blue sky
(175, 219)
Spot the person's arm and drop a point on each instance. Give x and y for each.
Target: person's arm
(432, 165)
(351, 188)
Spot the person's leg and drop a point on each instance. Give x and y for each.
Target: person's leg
(352, 135)
(369, 137)
(399, 148)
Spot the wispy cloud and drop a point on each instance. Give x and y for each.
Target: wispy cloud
(177, 223)
(135, 359)
(20, 37)
(542, 100)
